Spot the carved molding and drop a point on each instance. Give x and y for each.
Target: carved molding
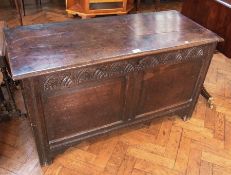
(71, 78)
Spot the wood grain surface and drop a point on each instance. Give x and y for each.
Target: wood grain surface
(150, 149)
(2, 25)
(18, 151)
(214, 15)
(40, 49)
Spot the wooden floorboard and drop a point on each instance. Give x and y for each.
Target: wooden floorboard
(200, 146)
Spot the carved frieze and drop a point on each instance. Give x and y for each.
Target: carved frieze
(74, 77)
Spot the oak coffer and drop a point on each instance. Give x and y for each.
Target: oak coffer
(85, 78)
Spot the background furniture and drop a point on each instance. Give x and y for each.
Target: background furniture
(91, 8)
(90, 81)
(20, 7)
(14, 3)
(215, 15)
(7, 102)
(23, 5)
(19, 4)
(139, 1)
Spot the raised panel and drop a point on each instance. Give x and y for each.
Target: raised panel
(77, 110)
(167, 86)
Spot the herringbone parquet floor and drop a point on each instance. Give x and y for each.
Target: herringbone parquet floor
(200, 146)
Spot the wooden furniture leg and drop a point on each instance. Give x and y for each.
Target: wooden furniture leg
(23, 7)
(19, 11)
(207, 96)
(137, 5)
(12, 3)
(39, 2)
(157, 5)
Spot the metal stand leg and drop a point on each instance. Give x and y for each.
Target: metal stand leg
(185, 118)
(8, 103)
(208, 97)
(12, 104)
(3, 108)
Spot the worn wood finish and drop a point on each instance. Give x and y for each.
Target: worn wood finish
(78, 89)
(145, 149)
(131, 36)
(214, 15)
(2, 25)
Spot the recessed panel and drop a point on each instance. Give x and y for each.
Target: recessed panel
(74, 111)
(106, 5)
(167, 86)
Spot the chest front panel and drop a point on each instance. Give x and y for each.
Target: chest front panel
(92, 98)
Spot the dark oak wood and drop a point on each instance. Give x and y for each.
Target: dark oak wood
(81, 79)
(126, 39)
(2, 45)
(214, 15)
(138, 2)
